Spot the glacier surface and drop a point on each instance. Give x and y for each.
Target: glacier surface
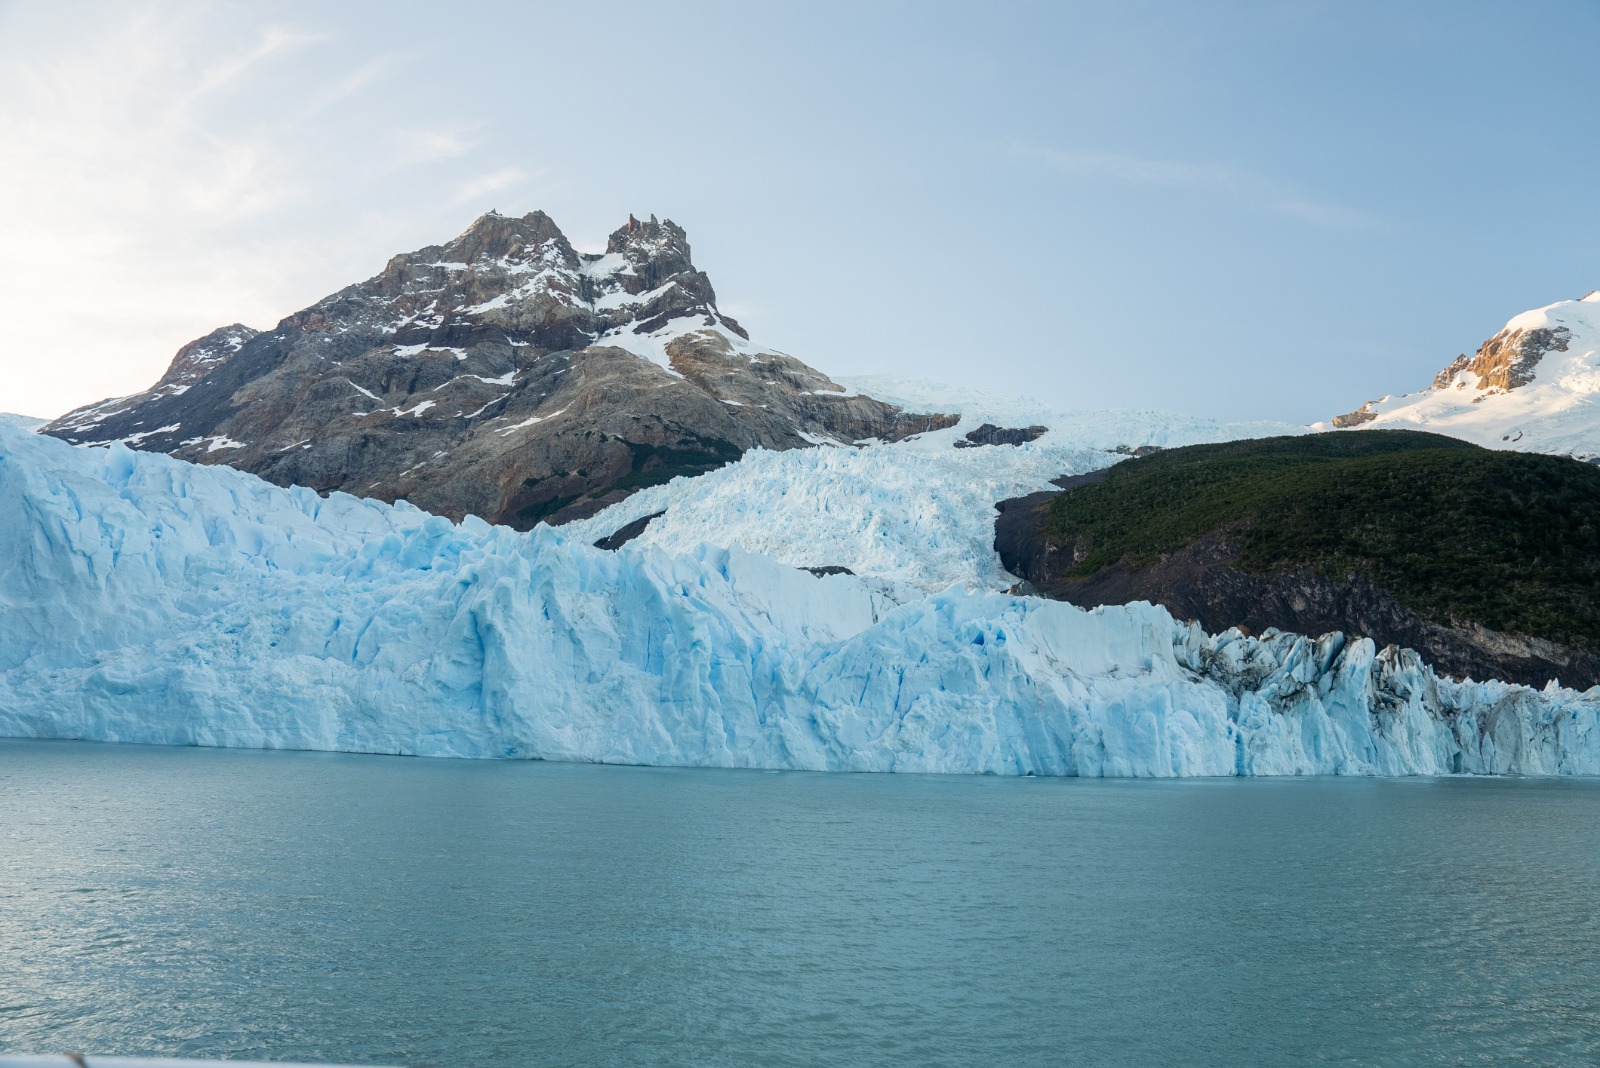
(916, 515)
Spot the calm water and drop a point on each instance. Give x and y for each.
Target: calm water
(374, 909)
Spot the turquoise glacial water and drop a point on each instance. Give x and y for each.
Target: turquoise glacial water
(387, 910)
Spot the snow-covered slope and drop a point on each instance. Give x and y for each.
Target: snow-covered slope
(149, 600)
(918, 513)
(1534, 386)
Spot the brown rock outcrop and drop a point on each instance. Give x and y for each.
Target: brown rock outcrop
(1508, 359)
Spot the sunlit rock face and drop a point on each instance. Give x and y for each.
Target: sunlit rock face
(503, 374)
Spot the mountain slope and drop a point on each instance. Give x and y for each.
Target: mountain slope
(1488, 563)
(1533, 387)
(503, 374)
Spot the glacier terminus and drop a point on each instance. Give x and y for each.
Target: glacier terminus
(155, 601)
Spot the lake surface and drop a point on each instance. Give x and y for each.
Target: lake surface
(388, 910)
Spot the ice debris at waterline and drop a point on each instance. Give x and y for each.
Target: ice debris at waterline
(148, 600)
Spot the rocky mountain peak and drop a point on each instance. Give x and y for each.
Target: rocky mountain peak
(661, 243)
(493, 236)
(502, 374)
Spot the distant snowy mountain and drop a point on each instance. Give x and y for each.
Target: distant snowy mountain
(1534, 386)
(503, 374)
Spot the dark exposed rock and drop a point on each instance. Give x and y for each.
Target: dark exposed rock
(1200, 582)
(989, 434)
(828, 569)
(626, 533)
(503, 374)
(1087, 479)
(1023, 549)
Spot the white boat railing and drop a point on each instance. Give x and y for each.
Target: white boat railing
(78, 1060)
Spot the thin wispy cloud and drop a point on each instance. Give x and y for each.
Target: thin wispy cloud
(183, 165)
(271, 41)
(365, 76)
(1217, 179)
(493, 182)
(427, 146)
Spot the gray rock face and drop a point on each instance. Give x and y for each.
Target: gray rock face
(990, 434)
(198, 358)
(503, 374)
(627, 532)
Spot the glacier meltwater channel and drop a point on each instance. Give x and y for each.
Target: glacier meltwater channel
(143, 599)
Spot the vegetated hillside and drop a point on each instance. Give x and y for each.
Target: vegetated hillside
(1487, 562)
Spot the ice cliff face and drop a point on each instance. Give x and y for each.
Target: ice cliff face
(502, 374)
(1534, 386)
(150, 600)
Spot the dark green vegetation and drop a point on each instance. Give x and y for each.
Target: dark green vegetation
(1510, 541)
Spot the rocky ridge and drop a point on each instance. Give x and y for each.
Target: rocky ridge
(503, 374)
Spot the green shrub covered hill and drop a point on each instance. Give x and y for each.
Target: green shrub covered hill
(1455, 532)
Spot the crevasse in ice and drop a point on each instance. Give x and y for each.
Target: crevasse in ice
(143, 599)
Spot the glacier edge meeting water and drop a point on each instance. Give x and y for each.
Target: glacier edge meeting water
(150, 600)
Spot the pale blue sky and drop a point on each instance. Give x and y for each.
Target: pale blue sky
(1247, 210)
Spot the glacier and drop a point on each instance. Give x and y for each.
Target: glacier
(916, 515)
(144, 599)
